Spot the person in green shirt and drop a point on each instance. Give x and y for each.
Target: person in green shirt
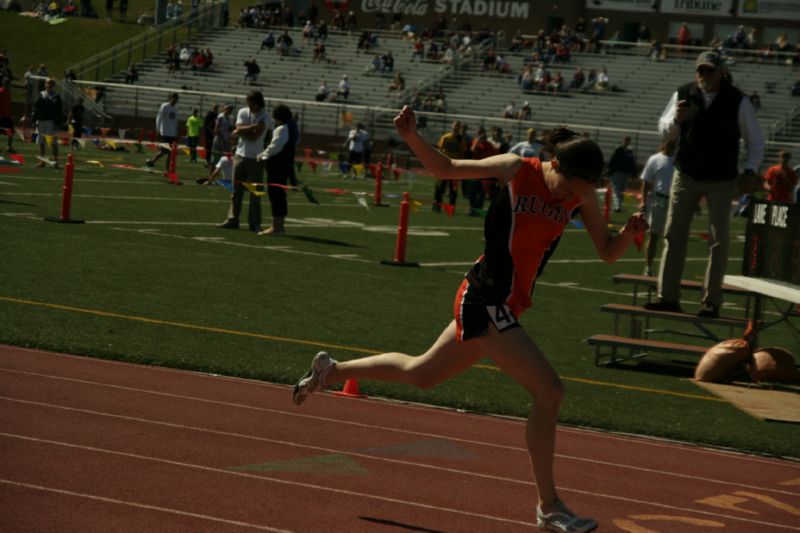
(193, 126)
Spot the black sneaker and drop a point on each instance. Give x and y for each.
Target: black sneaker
(149, 163)
(708, 311)
(229, 224)
(664, 305)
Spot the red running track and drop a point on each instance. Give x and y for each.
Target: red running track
(93, 445)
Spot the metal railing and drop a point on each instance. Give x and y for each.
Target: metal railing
(150, 43)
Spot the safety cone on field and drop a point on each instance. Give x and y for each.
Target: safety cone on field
(350, 390)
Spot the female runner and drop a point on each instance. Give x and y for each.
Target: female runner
(522, 228)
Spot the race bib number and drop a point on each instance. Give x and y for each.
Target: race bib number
(501, 316)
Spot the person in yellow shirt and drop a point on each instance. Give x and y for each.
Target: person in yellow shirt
(193, 126)
(453, 144)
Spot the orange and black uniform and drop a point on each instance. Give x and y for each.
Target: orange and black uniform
(522, 229)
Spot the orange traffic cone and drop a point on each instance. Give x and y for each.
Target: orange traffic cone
(350, 390)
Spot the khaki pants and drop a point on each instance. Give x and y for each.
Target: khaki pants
(684, 200)
(246, 170)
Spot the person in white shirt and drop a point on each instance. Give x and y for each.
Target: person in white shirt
(355, 142)
(279, 159)
(528, 148)
(656, 182)
(344, 88)
(167, 128)
(223, 127)
(251, 127)
(224, 167)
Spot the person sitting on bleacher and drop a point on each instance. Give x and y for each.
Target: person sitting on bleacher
(319, 52)
(285, 43)
(388, 62)
(323, 92)
(268, 42)
(253, 70)
(578, 79)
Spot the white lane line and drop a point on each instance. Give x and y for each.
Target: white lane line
(517, 449)
(266, 478)
(141, 506)
(421, 505)
(636, 439)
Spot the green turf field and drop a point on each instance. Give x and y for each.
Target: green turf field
(149, 279)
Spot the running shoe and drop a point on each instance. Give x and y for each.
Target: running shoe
(563, 520)
(314, 379)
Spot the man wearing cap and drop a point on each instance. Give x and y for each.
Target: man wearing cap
(707, 117)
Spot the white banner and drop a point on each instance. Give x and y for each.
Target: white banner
(770, 9)
(716, 8)
(621, 5)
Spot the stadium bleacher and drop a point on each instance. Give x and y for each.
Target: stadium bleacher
(642, 87)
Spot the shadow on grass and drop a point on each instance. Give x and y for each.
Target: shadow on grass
(675, 368)
(317, 240)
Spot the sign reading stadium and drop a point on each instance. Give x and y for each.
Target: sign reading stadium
(489, 8)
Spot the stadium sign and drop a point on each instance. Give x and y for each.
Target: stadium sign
(718, 8)
(621, 5)
(489, 8)
(770, 9)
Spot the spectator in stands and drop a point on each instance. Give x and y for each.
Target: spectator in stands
(167, 128)
(655, 52)
(489, 60)
(208, 133)
(556, 84)
(388, 62)
(450, 55)
(170, 12)
(454, 145)
(526, 78)
(285, 43)
(780, 180)
(194, 124)
(178, 13)
(603, 81)
(656, 182)
(398, 83)
(530, 147)
(132, 74)
(173, 60)
(319, 52)
(355, 143)
(75, 123)
(200, 62)
(279, 159)
(417, 49)
(578, 79)
(268, 42)
(251, 128)
(502, 65)
(684, 36)
(209, 58)
(525, 112)
(343, 91)
(252, 70)
(621, 167)
(48, 114)
(511, 110)
(563, 55)
(308, 32)
(323, 92)
(186, 54)
(706, 166)
(643, 33)
(6, 118)
(351, 23)
(322, 30)
(795, 90)
(223, 130)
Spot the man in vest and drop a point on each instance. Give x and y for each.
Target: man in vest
(707, 117)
